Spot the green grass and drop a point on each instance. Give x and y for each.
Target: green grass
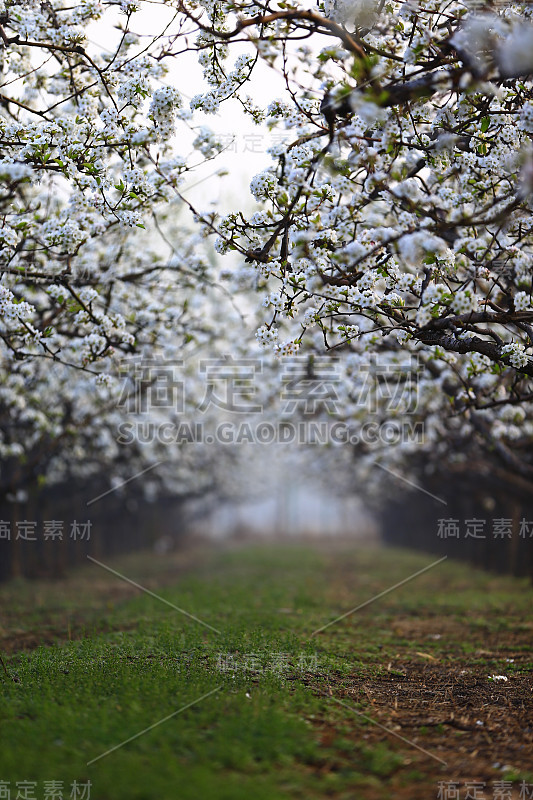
(261, 733)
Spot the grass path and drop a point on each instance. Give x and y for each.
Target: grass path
(370, 707)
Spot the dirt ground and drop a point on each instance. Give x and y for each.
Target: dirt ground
(443, 701)
(456, 714)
